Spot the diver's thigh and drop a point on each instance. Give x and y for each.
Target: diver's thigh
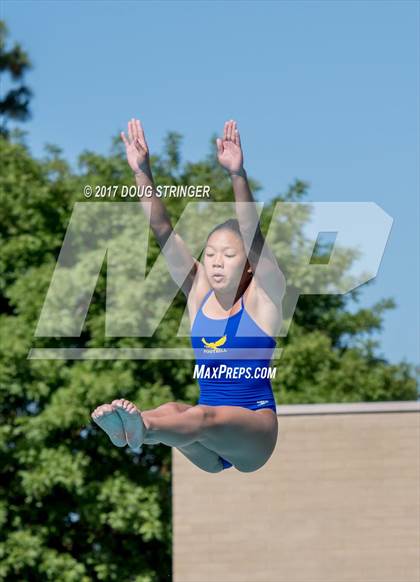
(242, 436)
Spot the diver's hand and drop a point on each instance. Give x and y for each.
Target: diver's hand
(136, 146)
(229, 151)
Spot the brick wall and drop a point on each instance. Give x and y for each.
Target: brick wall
(338, 501)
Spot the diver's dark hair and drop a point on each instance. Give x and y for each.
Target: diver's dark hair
(231, 224)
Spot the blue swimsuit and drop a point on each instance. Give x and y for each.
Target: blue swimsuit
(232, 359)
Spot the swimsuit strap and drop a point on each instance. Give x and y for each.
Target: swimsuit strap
(209, 293)
(206, 296)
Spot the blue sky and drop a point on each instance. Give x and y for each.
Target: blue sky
(327, 92)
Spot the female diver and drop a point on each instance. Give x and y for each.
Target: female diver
(235, 421)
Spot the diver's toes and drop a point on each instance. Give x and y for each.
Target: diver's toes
(110, 422)
(133, 423)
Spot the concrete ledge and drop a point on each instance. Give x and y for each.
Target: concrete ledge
(348, 408)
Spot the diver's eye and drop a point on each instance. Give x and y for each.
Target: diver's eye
(230, 256)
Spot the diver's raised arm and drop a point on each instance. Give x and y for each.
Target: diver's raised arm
(181, 264)
(138, 159)
(267, 273)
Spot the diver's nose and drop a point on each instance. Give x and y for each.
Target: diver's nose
(218, 261)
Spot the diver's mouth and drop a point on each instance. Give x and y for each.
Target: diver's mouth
(218, 278)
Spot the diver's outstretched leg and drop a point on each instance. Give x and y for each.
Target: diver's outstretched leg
(246, 438)
(137, 428)
(198, 454)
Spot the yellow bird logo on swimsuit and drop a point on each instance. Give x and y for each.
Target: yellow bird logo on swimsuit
(214, 345)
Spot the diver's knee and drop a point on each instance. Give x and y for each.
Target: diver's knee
(209, 418)
(169, 407)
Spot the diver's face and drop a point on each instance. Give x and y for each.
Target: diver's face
(224, 260)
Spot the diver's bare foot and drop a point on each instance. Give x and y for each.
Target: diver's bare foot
(110, 422)
(134, 426)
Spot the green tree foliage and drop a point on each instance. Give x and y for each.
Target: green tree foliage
(72, 506)
(15, 61)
